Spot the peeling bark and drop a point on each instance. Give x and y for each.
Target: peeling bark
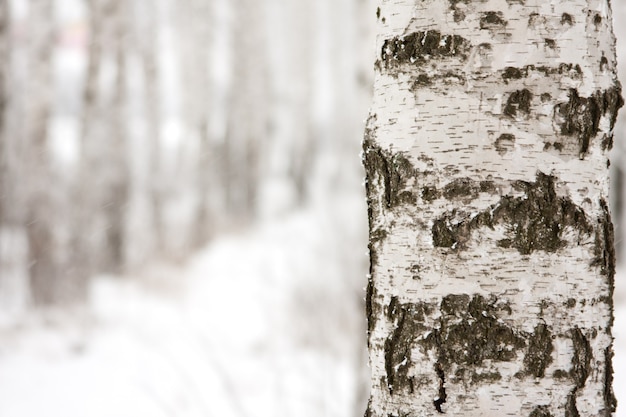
(491, 243)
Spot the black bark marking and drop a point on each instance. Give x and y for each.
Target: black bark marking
(604, 64)
(415, 270)
(515, 73)
(558, 146)
(567, 19)
(610, 402)
(520, 100)
(442, 396)
(391, 169)
(376, 235)
(580, 116)
(448, 78)
(535, 20)
(604, 245)
(430, 194)
(422, 80)
(464, 189)
(581, 359)
(478, 378)
(488, 186)
(550, 43)
(505, 143)
(597, 21)
(409, 323)
(535, 221)
(581, 368)
(607, 144)
(458, 13)
(461, 188)
(373, 308)
(378, 13)
(469, 333)
(417, 47)
(541, 411)
(539, 353)
(571, 410)
(492, 20)
(560, 374)
(445, 234)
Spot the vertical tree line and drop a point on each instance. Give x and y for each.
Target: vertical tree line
(170, 123)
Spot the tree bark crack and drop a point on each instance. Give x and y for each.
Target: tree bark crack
(441, 398)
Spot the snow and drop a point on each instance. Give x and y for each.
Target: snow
(226, 339)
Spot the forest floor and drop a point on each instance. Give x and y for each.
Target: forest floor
(258, 324)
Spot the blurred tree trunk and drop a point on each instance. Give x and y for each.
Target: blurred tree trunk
(491, 243)
(146, 191)
(299, 142)
(41, 214)
(115, 199)
(83, 246)
(104, 177)
(196, 24)
(149, 54)
(246, 138)
(4, 143)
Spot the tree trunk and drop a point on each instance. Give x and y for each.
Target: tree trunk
(197, 23)
(4, 143)
(40, 211)
(103, 188)
(4, 69)
(248, 119)
(491, 243)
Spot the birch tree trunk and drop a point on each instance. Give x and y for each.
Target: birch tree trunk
(104, 171)
(4, 69)
(40, 211)
(247, 134)
(196, 40)
(491, 243)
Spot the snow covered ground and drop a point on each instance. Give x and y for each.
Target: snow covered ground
(263, 323)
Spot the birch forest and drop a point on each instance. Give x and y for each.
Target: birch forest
(135, 131)
(183, 223)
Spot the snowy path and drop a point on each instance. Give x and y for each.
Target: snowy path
(229, 342)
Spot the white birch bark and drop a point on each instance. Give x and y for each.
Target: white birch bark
(491, 243)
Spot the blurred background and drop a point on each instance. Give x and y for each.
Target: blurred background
(182, 217)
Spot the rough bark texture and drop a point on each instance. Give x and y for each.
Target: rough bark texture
(492, 261)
